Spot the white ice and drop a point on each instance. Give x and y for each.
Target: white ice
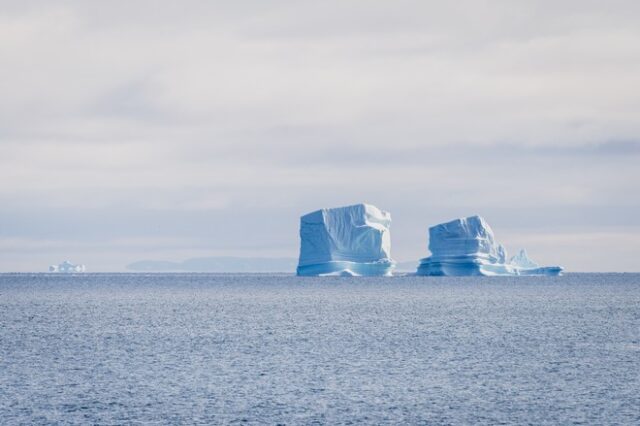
(467, 247)
(346, 241)
(67, 267)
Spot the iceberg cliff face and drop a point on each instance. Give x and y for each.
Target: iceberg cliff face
(346, 241)
(467, 247)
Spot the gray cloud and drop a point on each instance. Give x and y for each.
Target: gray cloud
(208, 127)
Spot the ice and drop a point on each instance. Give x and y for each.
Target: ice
(502, 254)
(346, 241)
(67, 267)
(522, 260)
(467, 247)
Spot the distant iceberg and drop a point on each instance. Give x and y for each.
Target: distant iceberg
(526, 266)
(346, 241)
(467, 247)
(67, 267)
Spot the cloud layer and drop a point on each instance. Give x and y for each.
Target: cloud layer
(202, 128)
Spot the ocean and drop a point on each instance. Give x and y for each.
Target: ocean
(278, 349)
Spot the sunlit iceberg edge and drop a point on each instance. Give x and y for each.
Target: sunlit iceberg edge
(347, 269)
(473, 266)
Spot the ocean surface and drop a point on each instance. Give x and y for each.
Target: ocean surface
(277, 349)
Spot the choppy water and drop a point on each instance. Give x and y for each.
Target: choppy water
(176, 349)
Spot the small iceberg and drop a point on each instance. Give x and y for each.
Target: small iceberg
(467, 247)
(346, 241)
(67, 268)
(526, 266)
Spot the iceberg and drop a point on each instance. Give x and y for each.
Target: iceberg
(345, 241)
(522, 260)
(67, 267)
(467, 247)
(525, 266)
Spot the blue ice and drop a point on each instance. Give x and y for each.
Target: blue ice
(346, 241)
(467, 247)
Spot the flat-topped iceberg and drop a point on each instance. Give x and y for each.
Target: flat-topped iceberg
(67, 267)
(346, 241)
(467, 247)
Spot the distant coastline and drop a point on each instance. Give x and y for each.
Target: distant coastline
(230, 264)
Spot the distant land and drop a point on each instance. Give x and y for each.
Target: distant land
(231, 264)
(217, 264)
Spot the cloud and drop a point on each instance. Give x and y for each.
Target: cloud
(227, 120)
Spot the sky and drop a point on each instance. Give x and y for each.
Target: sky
(165, 130)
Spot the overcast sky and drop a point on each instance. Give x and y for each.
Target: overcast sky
(135, 130)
